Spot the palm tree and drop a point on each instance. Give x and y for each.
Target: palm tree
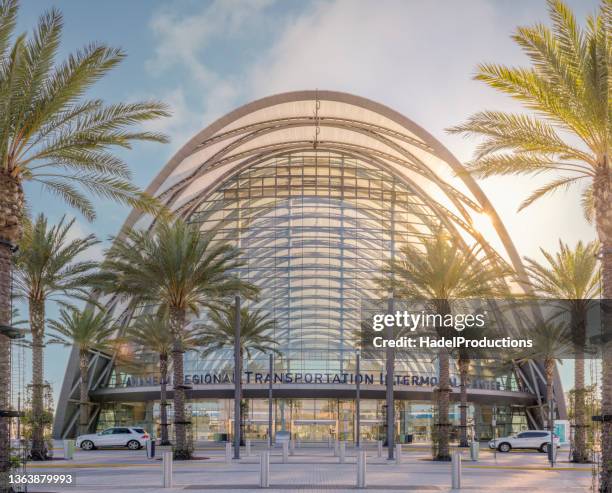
(439, 270)
(151, 334)
(256, 335)
(88, 329)
(47, 265)
(218, 332)
(567, 89)
(176, 267)
(551, 342)
(51, 134)
(572, 277)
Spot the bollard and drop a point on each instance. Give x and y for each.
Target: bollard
(342, 451)
(380, 448)
(291, 447)
(474, 451)
(329, 444)
(264, 470)
(150, 449)
(228, 452)
(552, 454)
(285, 452)
(361, 469)
(248, 447)
(398, 453)
(68, 449)
(336, 447)
(167, 469)
(456, 470)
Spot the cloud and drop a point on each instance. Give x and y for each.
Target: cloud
(416, 57)
(185, 39)
(198, 46)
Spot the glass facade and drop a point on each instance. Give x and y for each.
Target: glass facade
(314, 229)
(318, 420)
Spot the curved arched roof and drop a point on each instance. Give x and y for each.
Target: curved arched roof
(330, 122)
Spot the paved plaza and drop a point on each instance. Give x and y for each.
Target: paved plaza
(314, 469)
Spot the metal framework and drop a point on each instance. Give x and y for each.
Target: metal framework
(334, 181)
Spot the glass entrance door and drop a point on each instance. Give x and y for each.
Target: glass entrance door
(314, 430)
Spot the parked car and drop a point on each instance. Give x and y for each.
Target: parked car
(132, 438)
(533, 439)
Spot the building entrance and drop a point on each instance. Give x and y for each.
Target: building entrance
(316, 430)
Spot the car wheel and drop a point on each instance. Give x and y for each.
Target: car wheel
(87, 445)
(133, 445)
(544, 448)
(505, 447)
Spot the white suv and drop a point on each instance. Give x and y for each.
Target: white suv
(132, 438)
(533, 439)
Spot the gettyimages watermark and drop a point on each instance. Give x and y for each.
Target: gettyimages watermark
(488, 328)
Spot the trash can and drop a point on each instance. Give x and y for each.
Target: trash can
(408, 438)
(68, 449)
(474, 450)
(150, 449)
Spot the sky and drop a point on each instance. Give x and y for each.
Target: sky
(205, 58)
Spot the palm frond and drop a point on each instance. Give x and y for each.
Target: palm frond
(587, 201)
(47, 261)
(50, 132)
(71, 195)
(8, 20)
(567, 88)
(549, 188)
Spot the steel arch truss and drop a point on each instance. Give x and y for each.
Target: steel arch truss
(329, 123)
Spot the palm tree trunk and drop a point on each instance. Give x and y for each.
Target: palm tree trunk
(464, 366)
(181, 449)
(549, 368)
(5, 359)
(11, 211)
(443, 428)
(602, 194)
(580, 453)
(163, 405)
(37, 326)
(84, 395)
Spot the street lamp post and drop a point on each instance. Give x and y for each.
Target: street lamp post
(270, 400)
(237, 380)
(358, 400)
(390, 405)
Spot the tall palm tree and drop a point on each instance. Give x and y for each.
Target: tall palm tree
(181, 269)
(256, 336)
(440, 271)
(88, 329)
(52, 134)
(151, 334)
(47, 265)
(567, 133)
(572, 277)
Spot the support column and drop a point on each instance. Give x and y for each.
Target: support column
(237, 379)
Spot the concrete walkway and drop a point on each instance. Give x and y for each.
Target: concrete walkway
(313, 469)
